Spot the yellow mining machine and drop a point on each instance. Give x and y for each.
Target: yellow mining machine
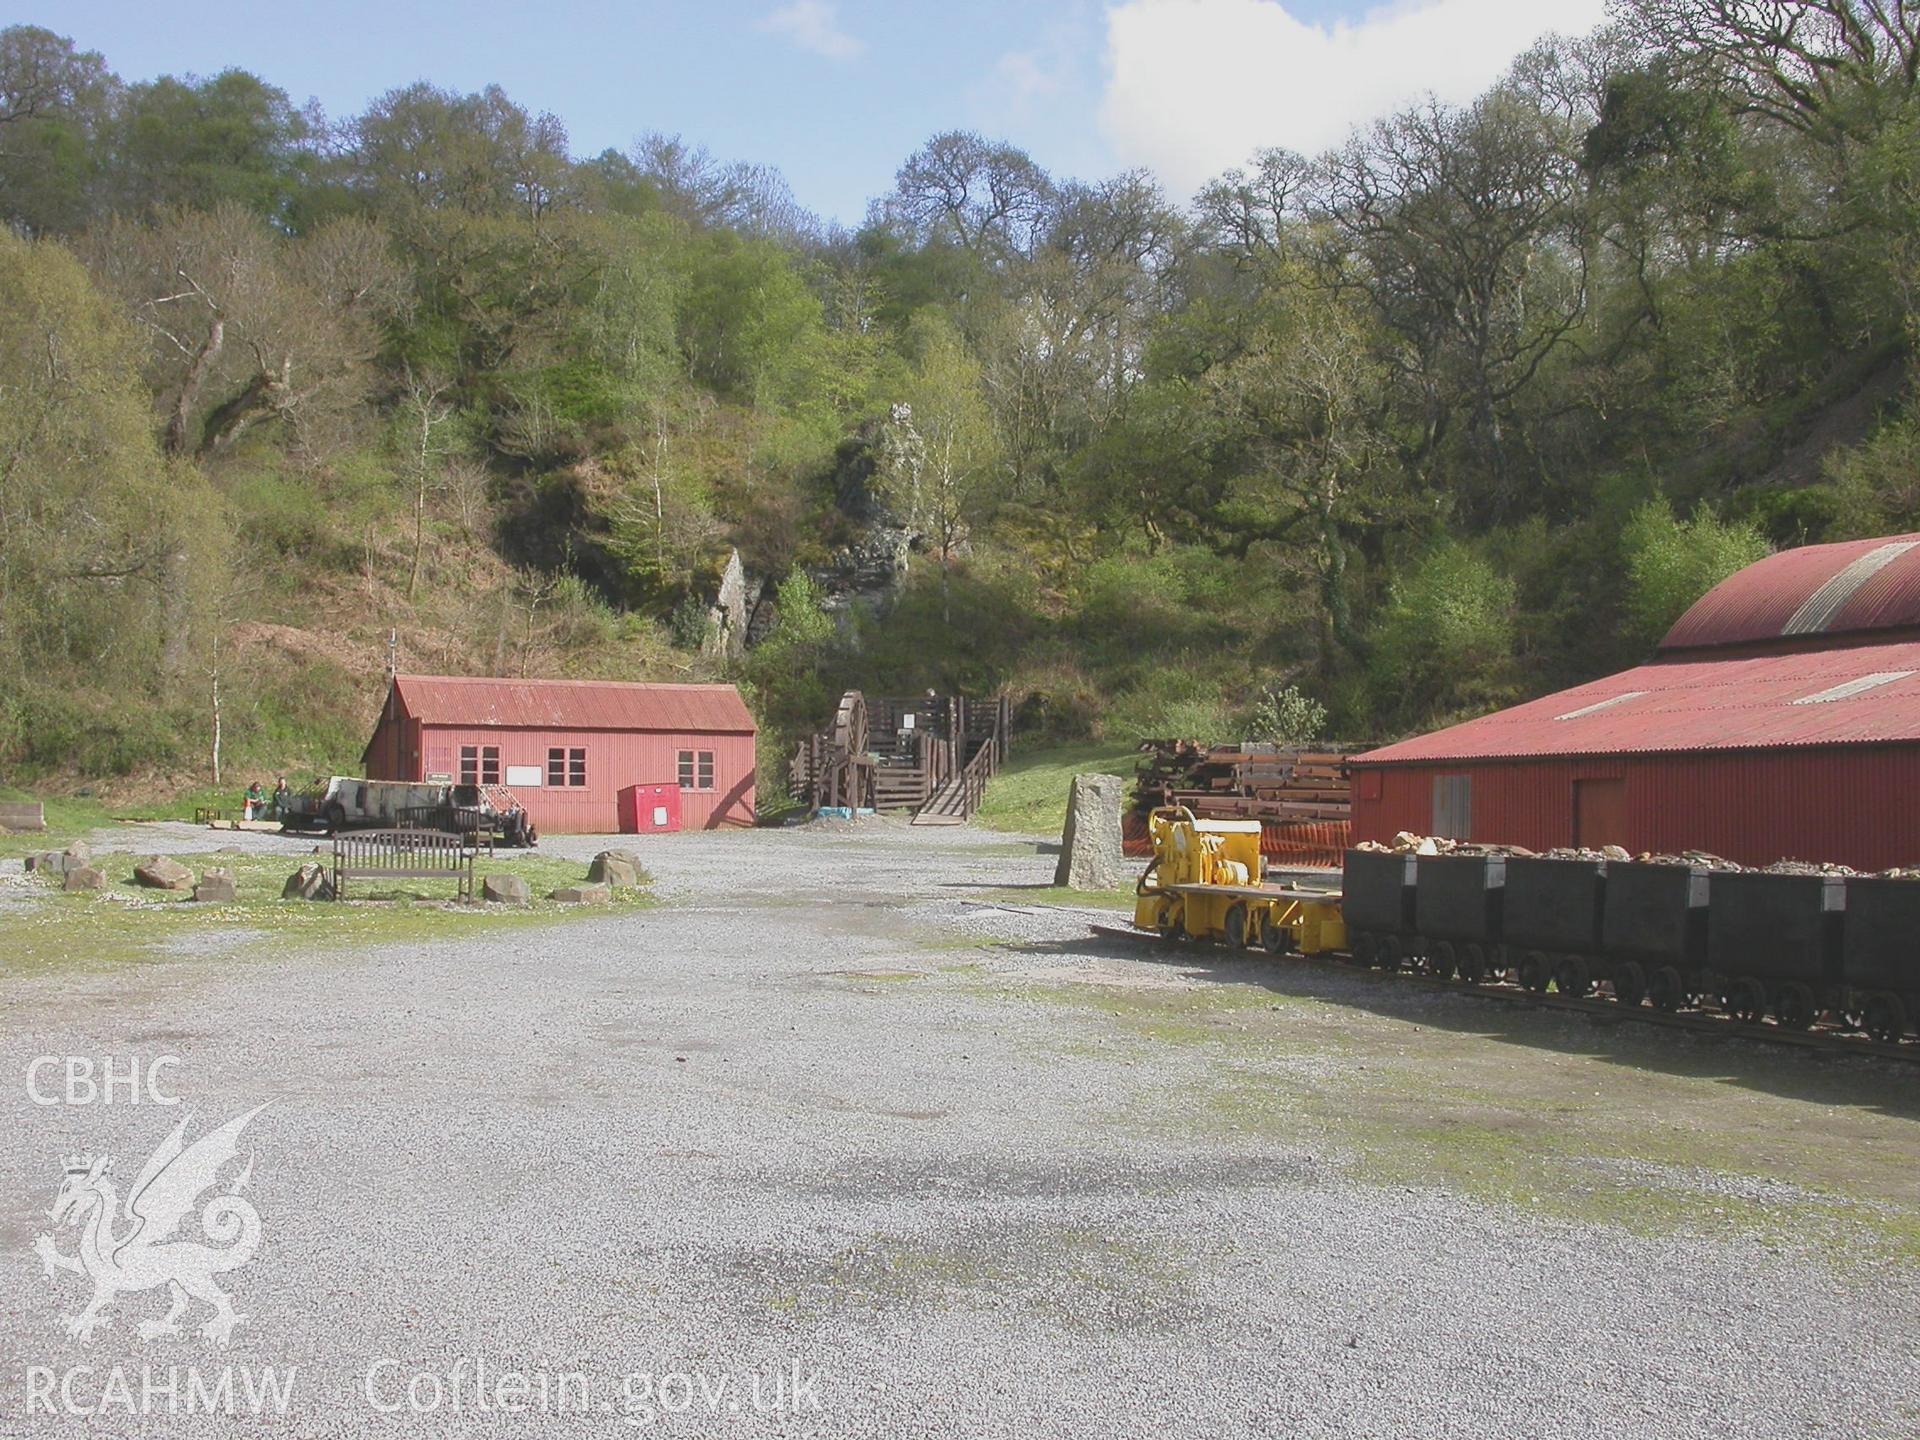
(1207, 881)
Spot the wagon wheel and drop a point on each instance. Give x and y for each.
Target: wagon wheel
(1793, 1007)
(1886, 1018)
(1235, 924)
(1630, 983)
(1746, 999)
(1387, 952)
(1471, 964)
(1573, 978)
(1535, 973)
(1667, 990)
(850, 724)
(1363, 947)
(1442, 959)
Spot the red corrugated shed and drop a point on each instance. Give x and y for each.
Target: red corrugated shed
(1845, 588)
(573, 704)
(1860, 694)
(568, 748)
(1782, 719)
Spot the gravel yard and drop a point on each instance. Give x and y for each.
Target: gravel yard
(866, 1106)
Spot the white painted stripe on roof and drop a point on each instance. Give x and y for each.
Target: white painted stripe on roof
(1816, 612)
(1611, 700)
(1857, 686)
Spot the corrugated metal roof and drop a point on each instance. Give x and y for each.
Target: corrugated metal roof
(1701, 702)
(1838, 589)
(573, 704)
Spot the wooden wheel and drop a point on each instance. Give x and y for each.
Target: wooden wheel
(1442, 959)
(1630, 983)
(1667, 990)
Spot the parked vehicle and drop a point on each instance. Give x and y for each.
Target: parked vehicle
(343, 802)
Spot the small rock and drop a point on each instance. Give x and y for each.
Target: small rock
(583, 894)
(217, 886)
(615, 867)
(84, 877)
(160, 873)
(505, 890)
(309, 882)
(229, 850)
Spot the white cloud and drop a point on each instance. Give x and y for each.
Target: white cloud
(815, 25)
(1195, 86)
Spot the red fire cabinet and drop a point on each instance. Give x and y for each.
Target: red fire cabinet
(649, 809)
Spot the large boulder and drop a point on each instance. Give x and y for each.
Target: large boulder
(616, 868)
(83, 877)
(217, 886)
(582, 894)
(161, 873)
(309, 882)
(76, 854)
(505, 890)
(1090, 857)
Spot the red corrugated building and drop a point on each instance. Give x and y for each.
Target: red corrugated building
(1779, 719)
(569, 748)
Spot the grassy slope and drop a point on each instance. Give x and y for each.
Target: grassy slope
(1030, 795)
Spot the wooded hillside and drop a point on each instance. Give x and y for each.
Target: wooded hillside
(1465, 410)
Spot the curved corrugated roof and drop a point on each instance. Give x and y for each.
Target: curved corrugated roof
(1845, 588)
(573, 704)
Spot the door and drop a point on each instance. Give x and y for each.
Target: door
(1600, 812)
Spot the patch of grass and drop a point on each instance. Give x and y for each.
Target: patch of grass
(68, 818)
(1030, 795)
(125, 923)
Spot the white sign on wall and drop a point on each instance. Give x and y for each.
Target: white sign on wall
(906, 722)
(523, 775)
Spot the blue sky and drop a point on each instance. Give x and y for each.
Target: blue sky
(837, 93)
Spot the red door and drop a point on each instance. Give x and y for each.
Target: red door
(1600, 813)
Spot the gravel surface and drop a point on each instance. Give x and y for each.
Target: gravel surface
(825, 1108)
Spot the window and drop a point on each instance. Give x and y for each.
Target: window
(696, 769)
(566, 767)
(1453, 806)
(469, 764)
(490, 765)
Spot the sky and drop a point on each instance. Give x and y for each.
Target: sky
(836, 93)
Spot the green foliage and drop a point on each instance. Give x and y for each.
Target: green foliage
(1284, 716)
(1405, 425)
(1670, 563)
(1444, 641)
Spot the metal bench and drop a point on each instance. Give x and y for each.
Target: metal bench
(401, 855)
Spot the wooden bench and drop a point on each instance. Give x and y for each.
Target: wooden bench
(401, 855)
(22, 816)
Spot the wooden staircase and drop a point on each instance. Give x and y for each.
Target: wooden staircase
(905, 755)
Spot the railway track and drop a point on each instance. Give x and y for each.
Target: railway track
(1827, 1040)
